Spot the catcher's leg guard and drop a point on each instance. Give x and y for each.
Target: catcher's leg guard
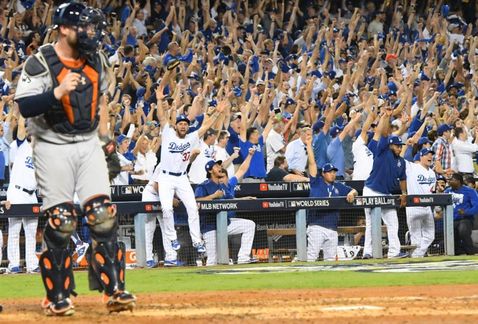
(55, 262)
(107, 260)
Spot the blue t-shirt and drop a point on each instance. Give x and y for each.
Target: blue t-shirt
(319, 188)
(372, 146)
(464, 198)
(196, 124)
(335, 154)
(257, 169)
(320, 143)
(208, 187)
(232, 143)
(387, 171)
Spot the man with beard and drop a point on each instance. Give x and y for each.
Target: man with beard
(59, 92)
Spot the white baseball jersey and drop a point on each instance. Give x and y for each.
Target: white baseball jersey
(175, 151)
(274, 143)
(23, 170)
(145, 163)
(363, 160)
(197, 173)
(420, 181)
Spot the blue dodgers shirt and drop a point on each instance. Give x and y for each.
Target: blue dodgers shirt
(232, 143)
(372, 146)
(196, 123)
(387, 170)
(319, 188)
(208, 187)
(464, 198)
(257, 169)
(320, 143)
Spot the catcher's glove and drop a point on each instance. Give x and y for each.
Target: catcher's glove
(112, 160)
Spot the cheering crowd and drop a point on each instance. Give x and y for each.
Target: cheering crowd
(338, 75)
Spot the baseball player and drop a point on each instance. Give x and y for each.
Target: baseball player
(219, 186)
(176, 147)
(22, 190)
(388, 173)
(322, 226)
(421, 180)
(59, 91)
(150, 193)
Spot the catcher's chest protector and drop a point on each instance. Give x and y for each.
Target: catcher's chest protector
(78, 112)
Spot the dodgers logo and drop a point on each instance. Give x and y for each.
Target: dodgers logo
(457, 199)
(257, 147)
(29, 162)
(421, 179)
(175, 148)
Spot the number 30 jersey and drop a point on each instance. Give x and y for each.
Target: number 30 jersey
(175, 151)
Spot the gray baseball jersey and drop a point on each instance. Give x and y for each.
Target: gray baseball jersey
(65, 163)
(33, 85)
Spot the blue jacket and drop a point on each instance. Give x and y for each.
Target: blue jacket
(464, 198)
(319, 188)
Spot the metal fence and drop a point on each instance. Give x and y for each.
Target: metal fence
(280, 230)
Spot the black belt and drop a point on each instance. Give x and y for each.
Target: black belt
(174, 173)
(30, 192)
(258, 178)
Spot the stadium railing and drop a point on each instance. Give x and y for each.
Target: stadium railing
(298, 205)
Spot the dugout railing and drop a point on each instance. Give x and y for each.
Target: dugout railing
(298, 205)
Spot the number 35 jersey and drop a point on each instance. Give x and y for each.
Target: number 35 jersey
(175, 151)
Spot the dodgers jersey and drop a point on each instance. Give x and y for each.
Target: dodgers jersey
(23, 170)
(363, 159)
(420, 181)
(175, 151)
(197, 173)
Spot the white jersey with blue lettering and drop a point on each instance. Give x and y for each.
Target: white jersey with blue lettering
(176, 151)
(23, 170)
(420, 181)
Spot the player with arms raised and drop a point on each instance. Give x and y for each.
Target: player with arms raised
(176, 147)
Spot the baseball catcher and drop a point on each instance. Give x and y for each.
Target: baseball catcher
(59, 92)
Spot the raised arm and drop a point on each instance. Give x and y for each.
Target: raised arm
(310, 157)
(351, 125)
(245, 165)
(212, 119)
(163, 120)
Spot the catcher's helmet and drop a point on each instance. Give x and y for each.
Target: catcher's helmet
(89, 22)
(68, 14)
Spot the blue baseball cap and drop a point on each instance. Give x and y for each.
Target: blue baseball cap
(424, 140)
(443, 128)
(210, 164)
(334, 131)
(182, 118)
(329, 167)
(395, 140)
(121, 138)
(441, 177)
(426, 151)
(318, 126)
(289, 101)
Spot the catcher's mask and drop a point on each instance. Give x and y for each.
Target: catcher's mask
(89, 23)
